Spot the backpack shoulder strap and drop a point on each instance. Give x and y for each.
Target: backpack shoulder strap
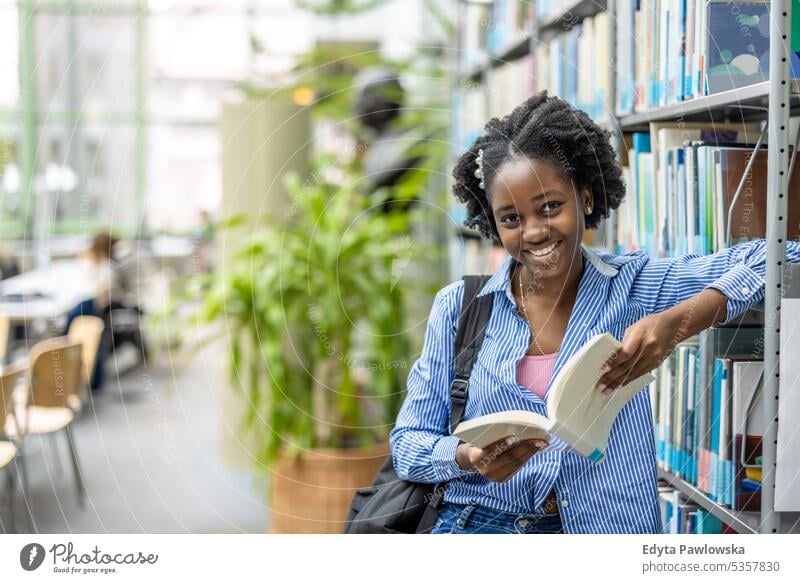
(472, 323)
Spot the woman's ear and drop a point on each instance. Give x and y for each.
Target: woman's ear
(586, 196)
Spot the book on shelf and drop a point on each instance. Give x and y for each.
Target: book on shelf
(469, 115)
(735, 44)
(574, 65)
(473, 36)
(549, 9)
(703, 419)
(707, 523)
(668, 51)
(787, 493)
(625, 70)
(635, 209)
(670, 188)
(577, 413)
(683, 195)
(513, 83)
(680, 516)
(749, 217)
(489, 28)
(675, 415)
(509, 21)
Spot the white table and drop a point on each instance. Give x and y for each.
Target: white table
(63, 286)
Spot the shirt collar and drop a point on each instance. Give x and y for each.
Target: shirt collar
(501, 279)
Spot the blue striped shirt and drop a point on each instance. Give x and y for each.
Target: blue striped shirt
(618, 495)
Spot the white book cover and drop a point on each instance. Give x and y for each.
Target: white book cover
(787, 470)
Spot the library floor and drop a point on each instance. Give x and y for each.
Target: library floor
(152, 455)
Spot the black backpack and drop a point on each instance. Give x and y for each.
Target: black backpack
(392, 505)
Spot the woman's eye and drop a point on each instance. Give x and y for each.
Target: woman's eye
(510, 219)
(549, 207)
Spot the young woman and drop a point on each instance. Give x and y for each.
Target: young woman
(534, 182)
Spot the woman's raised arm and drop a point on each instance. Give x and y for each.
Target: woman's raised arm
(684, 296)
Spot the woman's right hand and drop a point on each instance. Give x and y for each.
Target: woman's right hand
(500, 460)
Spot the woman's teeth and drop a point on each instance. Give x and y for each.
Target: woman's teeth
(542, 252)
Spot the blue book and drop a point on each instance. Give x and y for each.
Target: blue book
(738, 46)
(707, 523)
(683, 239)
(626, 56)
(668, 517)
(681, 222)
(698, 399)
(689, 446)
(723, 495)
(641, 145)
(749, 485)
(703, 176)
(671, 211)
(683, 458)
(719, 372)
(680, 84)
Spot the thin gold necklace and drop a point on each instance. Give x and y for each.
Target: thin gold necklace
(527, 319)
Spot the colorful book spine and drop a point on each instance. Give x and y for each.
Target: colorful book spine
(690, 48)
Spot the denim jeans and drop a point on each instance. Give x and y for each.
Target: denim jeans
(473, 519)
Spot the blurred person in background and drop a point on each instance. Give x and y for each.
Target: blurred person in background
(96, 274)
(390, 139)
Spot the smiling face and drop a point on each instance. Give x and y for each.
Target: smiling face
(539, 215)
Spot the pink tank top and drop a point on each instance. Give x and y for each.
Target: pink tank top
(534, 372)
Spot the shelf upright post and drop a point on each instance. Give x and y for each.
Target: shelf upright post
(27, 134)
(610, 228)
(456, 94)
(777, 187)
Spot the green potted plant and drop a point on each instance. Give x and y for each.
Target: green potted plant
(320, 345)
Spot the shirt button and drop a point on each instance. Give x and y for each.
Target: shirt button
(564, 503)
(745, 290)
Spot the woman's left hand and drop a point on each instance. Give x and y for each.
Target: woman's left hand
(646, 344)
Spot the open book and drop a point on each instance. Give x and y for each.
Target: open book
(578, 413)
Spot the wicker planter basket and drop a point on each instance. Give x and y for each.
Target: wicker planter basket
(312, 493)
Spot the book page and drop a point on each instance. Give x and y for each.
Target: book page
(485, 430)
(581, 415)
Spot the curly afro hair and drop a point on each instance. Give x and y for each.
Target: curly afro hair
(543, 128)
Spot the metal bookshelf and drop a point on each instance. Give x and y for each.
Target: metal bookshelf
(525, 42)
(741, 522)
(780, 19)
(514, 49)
(572, 13)
(781, 95)
(708, 106)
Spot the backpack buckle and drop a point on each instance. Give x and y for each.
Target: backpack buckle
(458, 389)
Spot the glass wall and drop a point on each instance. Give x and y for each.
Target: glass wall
(108, 110)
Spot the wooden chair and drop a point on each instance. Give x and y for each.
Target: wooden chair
(88, 330)
(10, 378)
(47, 407)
